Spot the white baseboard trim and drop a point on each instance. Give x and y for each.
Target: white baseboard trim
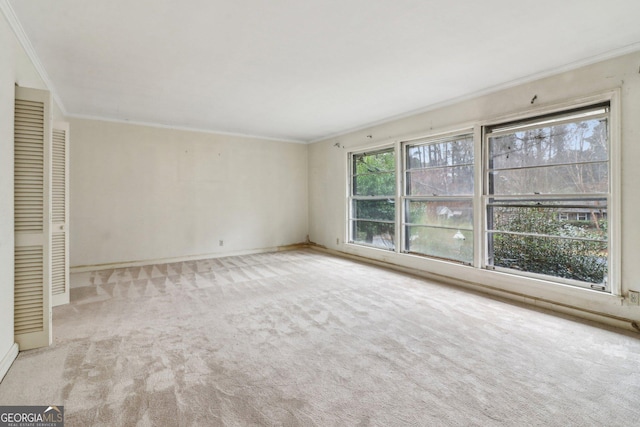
(594, 316)
(141, 263)
(7, 360)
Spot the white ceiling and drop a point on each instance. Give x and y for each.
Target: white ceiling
(305, 69)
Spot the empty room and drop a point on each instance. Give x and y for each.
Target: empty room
(319, 213)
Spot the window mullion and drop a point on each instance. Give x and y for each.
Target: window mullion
(399, 235)
(478, 206)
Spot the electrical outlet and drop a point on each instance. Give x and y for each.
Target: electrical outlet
(337, 240)
(221, 243)
(634, 298)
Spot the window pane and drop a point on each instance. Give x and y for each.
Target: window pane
(377, 234)
(441, 242)
(380, 161)
(448, 153)
(383, 210)
(564, 238)
(570, 259)
(378, 184)
(373, 174)
(569, 179)
(444, 213)
(583, 141)
(440, 168)
(449, 181)
(566, 219)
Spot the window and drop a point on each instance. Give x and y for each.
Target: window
(372, 216)
(536, 197)
(438, 198)
(538, 171)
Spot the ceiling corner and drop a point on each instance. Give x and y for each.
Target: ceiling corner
(24, 41)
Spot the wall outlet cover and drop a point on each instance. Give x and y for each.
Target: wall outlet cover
(634, 298)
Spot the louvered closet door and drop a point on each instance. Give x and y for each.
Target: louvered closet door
(59, 215)
(32, 163)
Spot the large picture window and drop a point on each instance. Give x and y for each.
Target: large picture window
(372, 216)
(536, 197)
(547, 190)
(438, 198)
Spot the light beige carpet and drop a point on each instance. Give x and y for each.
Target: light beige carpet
(303, 338)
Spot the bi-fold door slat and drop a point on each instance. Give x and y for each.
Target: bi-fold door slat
(59, 212)
(32, 169)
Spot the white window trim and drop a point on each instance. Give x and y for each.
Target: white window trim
(403, 197)
(348, 238)
(613, 204)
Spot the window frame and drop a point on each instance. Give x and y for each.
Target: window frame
(540, 118)
(353, 197)
(406, 198)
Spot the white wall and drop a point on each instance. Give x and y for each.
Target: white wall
(328, 171)
(15, 67)
(143, 193)
(7, 76)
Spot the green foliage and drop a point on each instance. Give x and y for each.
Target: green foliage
(582, 260)
(374, 175)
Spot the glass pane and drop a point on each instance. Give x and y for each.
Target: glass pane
(587, 219)
(570, 259)
(570, 179)
(379, 234)
(379, 184)
(458, 151)
(581, 141)
(382, 210)
(443, 213)
(441, 242)
(380, 161)
(447, 181)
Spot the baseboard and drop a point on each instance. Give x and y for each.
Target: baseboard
(594, 316)
(7, 360)
(141, 263)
